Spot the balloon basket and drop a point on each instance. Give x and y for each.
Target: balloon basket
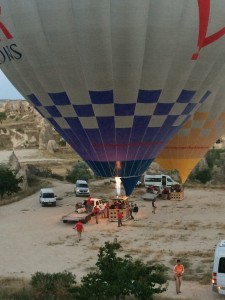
(177, 196)
(113, 214)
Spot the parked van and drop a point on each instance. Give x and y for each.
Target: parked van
(47, 197)
(218, 275)
(159, 181)
(81, 188)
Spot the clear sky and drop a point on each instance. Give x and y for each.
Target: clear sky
(7, 90)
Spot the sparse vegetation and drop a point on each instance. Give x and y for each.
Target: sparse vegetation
(118, 277)
(214, 158)
(3, 117)
(112, 278)
(79, 170)
(9, 183)
(52, 286)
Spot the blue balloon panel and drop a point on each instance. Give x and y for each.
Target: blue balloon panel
(108, 149)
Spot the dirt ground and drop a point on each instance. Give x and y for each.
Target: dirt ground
(34, 238)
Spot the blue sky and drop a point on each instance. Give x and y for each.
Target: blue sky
(7, 90)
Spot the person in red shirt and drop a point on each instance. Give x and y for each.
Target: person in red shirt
(79, 228)
(88, 204)
(120, 217)
(178, 271)
(96, 212)
(106, 211)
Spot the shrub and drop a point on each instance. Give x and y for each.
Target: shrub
(62, 143)
(3, 116)
(78, 171)
(203, 175)
(57, 176)
(45, 172)
(52, 286)
(9, 183)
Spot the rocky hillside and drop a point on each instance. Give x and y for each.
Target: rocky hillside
(21, 126)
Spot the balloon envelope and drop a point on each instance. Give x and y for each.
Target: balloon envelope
(117, 79)
(194, 139)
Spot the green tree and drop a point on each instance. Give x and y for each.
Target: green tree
(204, 175)
(79, 170)
(3, 116)
(9, 184)
(118, 277)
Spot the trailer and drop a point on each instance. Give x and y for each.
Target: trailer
(75, 217)
(149, 196)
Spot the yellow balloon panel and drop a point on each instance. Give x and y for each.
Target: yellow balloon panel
(184, 166)
(190, 144)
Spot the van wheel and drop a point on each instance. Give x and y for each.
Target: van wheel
(54, 204)
(42, 204)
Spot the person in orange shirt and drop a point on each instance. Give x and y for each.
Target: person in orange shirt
(178, 271)
(79, 228)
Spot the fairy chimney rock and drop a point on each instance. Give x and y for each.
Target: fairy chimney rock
(13, 163)
(46, 134)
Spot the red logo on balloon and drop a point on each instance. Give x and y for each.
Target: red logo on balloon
(203, 40)
(4, 30)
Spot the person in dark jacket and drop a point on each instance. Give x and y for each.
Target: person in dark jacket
(135, 210)
(131, 212)
(153, 206)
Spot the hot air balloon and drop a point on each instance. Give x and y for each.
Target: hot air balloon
(117, 79)
(195, 138)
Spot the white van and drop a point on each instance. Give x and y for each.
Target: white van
(218, 275)
(159, 181)
(47, 197)
(81, 188)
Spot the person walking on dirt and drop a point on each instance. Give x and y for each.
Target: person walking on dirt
(120, 217)
(96, 212)
(135, 210)
(79, 228)
(131, 212)
(178, 271)
(153, 206)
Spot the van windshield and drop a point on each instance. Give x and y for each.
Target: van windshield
(83, 185)
(48, 195)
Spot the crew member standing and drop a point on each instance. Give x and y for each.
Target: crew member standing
(79, 228)
(135, 210)
(178, 271)
(88, 204)
(131, 212)
(153, 206)
(96, 212)
(120, 217)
